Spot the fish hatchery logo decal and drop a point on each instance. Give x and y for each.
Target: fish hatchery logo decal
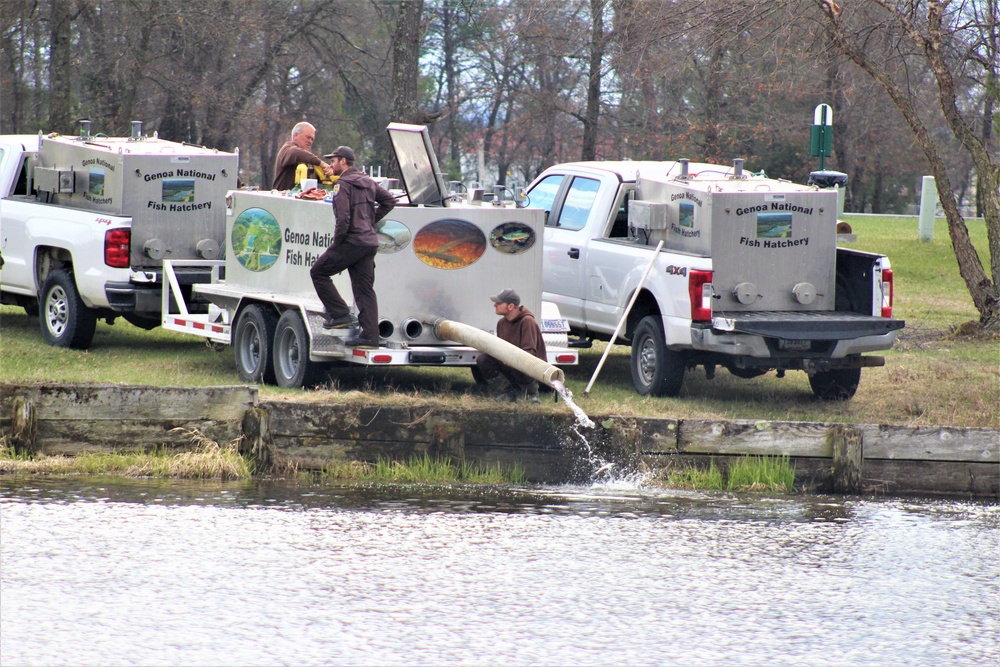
(449, 244)
(512, 238)
(256, 239)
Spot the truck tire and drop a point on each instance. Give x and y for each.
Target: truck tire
(252, 344)
(65, 320)
(656, 370)
(835, 385)
(292, 367)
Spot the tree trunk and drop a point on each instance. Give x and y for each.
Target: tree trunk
(985, 292)
(597, 45)
(60, 71)
(406, 41)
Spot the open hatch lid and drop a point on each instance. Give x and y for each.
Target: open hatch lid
(418, 164)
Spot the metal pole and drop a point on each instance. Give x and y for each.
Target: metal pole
(621, 322)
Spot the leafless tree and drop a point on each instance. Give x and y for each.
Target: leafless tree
(934, 28)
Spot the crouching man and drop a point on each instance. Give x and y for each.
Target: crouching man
(518, 327)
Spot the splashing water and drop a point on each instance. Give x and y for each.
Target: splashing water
(603, 472)
(582, 420)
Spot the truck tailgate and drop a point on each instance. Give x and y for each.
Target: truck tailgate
(808, 325)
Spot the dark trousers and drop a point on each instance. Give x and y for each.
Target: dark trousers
(491, 367)
(359, 260)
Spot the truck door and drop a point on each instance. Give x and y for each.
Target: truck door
(566, 230)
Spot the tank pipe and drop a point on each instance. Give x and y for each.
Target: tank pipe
(501, 350)
(621, 322)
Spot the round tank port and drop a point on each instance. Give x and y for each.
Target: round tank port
(746, 293)
(385, 329)
(155, 249)
(413, 329)
(805, 293)
(208, 248)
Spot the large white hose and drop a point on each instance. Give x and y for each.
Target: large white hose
(501, 350)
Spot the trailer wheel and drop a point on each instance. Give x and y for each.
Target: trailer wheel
(252, 344)
(65, 320)
(835, 385)
(656, 370)
(292, 367)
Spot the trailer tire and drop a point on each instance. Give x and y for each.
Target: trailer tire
(656, 369)
(253, 342)
(838, 384)
(292, 367)
(65, 320)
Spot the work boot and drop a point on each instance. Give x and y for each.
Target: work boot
(343, 322)
(499, 388)
(529, 391)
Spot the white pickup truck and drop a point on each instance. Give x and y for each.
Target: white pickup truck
(86, 222)
(749, 276)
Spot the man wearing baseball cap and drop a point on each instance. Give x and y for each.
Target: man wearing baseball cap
(518, 327)
(359, 203)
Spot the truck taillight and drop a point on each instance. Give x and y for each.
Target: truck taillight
(116, 246)
(886, 292)
(700, 291)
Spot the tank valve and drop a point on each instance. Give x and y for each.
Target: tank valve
(155, 249)
(208, 248)
(412, 328)
(805, 293)
(746, 293)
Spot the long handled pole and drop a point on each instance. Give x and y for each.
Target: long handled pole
(621, 322)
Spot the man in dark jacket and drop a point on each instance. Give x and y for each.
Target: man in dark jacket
(294, 152)
(518, 327)
(359, 203)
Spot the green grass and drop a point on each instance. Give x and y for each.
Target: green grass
(761, 473)
(691, 477)
(930, 292)
(423, 469)
(930, 378)
(208, 461)
(746, 473)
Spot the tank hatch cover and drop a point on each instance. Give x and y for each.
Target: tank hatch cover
(418, 164)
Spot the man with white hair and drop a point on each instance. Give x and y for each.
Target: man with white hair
(294, 152)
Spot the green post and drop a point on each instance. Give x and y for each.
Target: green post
(821, 135)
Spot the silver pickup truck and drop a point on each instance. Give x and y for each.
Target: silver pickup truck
(86, 222)
(748, 275)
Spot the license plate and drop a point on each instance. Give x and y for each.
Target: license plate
(794, 345)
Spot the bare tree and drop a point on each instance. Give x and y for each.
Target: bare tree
(932, 30)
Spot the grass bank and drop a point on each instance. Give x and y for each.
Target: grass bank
(747, 473)
(935, 376)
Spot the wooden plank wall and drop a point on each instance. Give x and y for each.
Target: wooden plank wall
(66, 419)
(70, 418)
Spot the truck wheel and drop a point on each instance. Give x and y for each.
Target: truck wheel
(252, 344)
(65, 320)
(656, 370)
(292, 367)
(835, 385)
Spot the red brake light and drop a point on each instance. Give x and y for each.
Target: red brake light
(701, 298)
(116, 247)
(887, 292)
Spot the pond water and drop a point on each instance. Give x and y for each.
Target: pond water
(145, 572)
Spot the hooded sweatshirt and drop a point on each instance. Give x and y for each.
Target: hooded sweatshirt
(359, 203)
(523, 331)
